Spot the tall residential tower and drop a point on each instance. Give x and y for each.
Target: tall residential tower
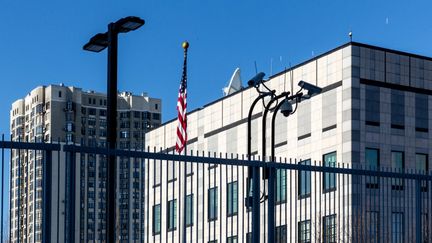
(68, 115)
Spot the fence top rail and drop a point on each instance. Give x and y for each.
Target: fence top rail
(30, 145)
(234, 160)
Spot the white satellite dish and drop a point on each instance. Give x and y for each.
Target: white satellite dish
(235, 84)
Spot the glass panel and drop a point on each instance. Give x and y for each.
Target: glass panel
(189, 210)
(398, 164)
(305, 231)
(304, 183)
(232, 198)
(280, 185)
(172, 214)
(156, 219)
(212, 203)
(329, 229)
(330, 178)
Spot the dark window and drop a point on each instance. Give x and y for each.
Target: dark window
(102, 112)
(189, 209)
(280, 185)
(156, 116)
(372, 163)
(398, 165)
(212, 204)
(232, 239)
(249, 237)
(172, 214)
(137, 114)
(372, 100)
(281, 234)
(59, 94)
(329, 178)
(421, 113)
(304, 183)
(92, 111)
(397, 109)
(329, 228)
(304, 228)
(232, 199)
(156, 219)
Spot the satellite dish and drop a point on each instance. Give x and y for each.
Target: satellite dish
(235, 84)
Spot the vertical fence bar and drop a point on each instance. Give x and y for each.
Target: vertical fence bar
(418, 211)
(2, 190)
(46, 192)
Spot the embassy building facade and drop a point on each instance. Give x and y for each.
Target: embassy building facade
(374, 110)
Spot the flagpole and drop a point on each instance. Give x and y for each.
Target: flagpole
(185, 46)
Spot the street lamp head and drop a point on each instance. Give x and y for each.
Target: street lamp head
(257, 80)
(128, 24)
(97, 43)
(311, 89)
(286, 108)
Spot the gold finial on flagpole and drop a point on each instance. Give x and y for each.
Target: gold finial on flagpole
(185, 45)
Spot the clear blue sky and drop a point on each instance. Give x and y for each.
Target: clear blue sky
(41, 41)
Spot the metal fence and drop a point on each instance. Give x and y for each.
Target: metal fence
(58, 195)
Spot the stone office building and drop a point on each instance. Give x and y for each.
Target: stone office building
(374, 111)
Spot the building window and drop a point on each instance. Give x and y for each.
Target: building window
(304, 181)
(372, 99)
(422, 166)
(372, 219)
(156, 219)
(329, 178)
(304, 228)
(329, 228)
(421, 116)
(280, 185)
(397, 109)
(189, 209)
(249, 237)
(212, 204)
(398, 164)
(232, 199)
(232, 239)
(59, 94)
(372, 163)
(124, 134)
(397, 227)
(172, 215)
(281, 234)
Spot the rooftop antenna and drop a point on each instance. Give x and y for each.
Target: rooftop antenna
(235, 83)
(350, 35)
(271, 66)
(256, 69)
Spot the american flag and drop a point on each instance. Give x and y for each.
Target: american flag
(181, 107)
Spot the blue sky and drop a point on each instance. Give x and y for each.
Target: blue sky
(41, 42)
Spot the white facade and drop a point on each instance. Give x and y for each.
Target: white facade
(341, 120)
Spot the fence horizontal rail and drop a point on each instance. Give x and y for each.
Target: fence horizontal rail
(30, 146)
(380, 172)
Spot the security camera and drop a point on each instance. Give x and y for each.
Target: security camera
(255, 81)
(286, 108)
(311, 89)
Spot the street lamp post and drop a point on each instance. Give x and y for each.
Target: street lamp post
(286, 111)
(254, 172)
(96, 44)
